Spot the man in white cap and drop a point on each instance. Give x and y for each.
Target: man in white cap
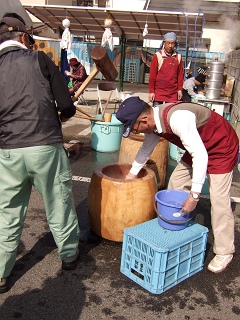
(166, 73)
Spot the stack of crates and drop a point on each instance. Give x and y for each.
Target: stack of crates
(131, 70)
(158, 259)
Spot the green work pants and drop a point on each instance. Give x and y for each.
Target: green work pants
(48, 169)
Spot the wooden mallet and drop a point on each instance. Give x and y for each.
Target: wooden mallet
(103, 64)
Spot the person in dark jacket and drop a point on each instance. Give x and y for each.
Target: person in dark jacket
(31, 146)
(211, 146)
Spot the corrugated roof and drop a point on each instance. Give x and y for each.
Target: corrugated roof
(88, 21)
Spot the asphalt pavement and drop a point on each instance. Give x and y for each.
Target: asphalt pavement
(41, 290)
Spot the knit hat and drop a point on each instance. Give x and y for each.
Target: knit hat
(73, 62)
(200, 78)
(201, 70)
(13, 24)
(128, 112)
(170, 36)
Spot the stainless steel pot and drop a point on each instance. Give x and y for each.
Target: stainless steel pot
(214, 84)
(216, 66)
(214, 79)
(213, 94)
(214, 76)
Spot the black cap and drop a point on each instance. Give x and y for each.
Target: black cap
(13, 24)
(200, 78)
(128, 112)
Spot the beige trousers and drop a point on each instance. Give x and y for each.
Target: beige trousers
(222, 218)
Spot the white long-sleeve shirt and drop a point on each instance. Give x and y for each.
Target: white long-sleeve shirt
(189, 85)
(183, 124)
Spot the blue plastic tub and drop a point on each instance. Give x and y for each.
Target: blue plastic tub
(175, 152)
(169, 204)
(106, 136)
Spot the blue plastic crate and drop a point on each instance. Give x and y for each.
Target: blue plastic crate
(158, 259)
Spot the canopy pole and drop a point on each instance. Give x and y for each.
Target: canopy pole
(122, 62)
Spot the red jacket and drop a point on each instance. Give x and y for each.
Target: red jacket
(79, 76)
(166, 82)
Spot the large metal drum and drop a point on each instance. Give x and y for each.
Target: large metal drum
(158, 160)
(115, 203)
(216, 66)
(213, 94)
(215, 76)
(214, 79)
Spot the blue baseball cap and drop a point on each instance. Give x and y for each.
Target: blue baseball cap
(128, 112)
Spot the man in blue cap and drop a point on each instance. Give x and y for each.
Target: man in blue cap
(211, 146)
(166, 72)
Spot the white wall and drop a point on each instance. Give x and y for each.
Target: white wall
(40, 2)
(135, 5)
(47, 2)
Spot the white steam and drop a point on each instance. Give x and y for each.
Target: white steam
(233, 28)
(225, 35)
(224, 38)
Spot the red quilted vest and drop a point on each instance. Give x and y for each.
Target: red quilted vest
(219, 139)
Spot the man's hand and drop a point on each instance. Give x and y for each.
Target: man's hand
(151, 97)
(189, 205)
(67, 73)
(130, 176)
(179, 94)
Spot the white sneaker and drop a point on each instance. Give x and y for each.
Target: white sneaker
(220, 262)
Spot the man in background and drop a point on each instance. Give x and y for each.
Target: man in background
(77, 76)
(192, 87)
(166, 73)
